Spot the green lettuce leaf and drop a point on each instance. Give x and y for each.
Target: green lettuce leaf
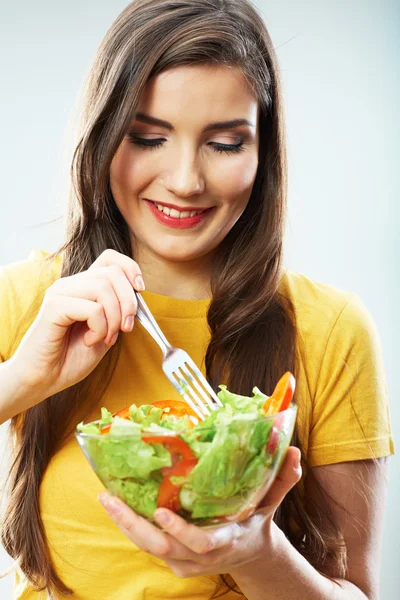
(106, 417)
(124, 427)
(122, 457)
(145, 414)
(243, 404)
(91, 428)
(221, 468)
(140, 496)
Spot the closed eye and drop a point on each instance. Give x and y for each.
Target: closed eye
(226, 148)
(146, 142)
(152, 143)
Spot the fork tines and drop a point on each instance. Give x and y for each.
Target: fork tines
(192, 385)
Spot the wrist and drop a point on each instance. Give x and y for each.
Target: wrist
(17, 394)
(268, 552)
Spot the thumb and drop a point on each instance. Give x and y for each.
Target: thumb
(288, 475)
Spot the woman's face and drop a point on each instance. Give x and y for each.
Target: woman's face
(183, 175)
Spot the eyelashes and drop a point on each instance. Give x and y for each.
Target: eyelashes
(152, 144)
(146, 143)
(227, 148)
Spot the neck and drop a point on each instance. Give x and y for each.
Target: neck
(187, 280)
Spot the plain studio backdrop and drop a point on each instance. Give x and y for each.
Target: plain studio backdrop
(339, 62)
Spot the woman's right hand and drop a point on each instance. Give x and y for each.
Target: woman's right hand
(78, 322)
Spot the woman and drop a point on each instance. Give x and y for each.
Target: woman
(179, 190)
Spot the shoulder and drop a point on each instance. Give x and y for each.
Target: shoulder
(26, 279)
(22, 288)
(344, 410)
(325, 310)
(334, 331)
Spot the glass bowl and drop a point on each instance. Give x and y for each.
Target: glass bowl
(209, 476)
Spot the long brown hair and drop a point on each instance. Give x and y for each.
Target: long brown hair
(253, 332)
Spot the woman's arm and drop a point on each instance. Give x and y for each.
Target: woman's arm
(14, 396)
(359, 487)
(79, 320)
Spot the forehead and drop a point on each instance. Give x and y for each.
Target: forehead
(200, 94)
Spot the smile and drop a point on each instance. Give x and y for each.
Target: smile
(172, 212)
(173, 216)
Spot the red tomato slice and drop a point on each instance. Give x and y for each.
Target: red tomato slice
(273, 441)
(175, 445)
(282, 395)
(183, 461)
(123, 413)
(168, 495)
(178, 408)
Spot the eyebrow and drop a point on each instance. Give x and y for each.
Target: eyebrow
(142, 118)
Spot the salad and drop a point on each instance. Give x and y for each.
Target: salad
(160, 455)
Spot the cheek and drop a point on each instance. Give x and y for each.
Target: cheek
(128, 174)
(234, 182)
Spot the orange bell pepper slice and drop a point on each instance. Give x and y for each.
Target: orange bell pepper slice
(281, 396)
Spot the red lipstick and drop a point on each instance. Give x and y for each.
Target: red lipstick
(176, 222)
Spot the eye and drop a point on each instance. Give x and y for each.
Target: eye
(145, 142)
(226, 148)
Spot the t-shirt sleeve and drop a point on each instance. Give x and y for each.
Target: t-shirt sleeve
(22, 287)
(351, 416)
(6, 324)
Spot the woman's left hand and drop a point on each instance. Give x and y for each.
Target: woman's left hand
(191, 551)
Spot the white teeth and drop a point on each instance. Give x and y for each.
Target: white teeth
(172, 212)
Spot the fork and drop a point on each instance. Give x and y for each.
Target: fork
(180, 369)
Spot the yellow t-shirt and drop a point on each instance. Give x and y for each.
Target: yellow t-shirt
(340, 374)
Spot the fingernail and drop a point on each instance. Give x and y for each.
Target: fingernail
(114, 338)
(163, 517)
(109, 503)
(129, 323)
(139, 283)
(103, 498)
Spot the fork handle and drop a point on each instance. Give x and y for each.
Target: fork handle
(146, 318)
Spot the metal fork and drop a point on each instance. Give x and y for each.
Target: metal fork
(180, 369)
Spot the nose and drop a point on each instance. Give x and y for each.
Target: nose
(184, 176)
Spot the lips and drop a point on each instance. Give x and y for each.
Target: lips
(176, 216)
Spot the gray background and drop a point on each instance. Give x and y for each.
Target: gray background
(339, 61)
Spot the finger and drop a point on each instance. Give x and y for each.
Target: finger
(288, 476)
(140, 531)
(123, 291)
(63, 311)
(200, 541)
(130, 267)
(99, 290)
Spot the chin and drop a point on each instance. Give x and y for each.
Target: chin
(179, 256)
(179, 252)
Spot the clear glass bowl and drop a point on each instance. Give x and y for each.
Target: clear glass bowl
(237, 463)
